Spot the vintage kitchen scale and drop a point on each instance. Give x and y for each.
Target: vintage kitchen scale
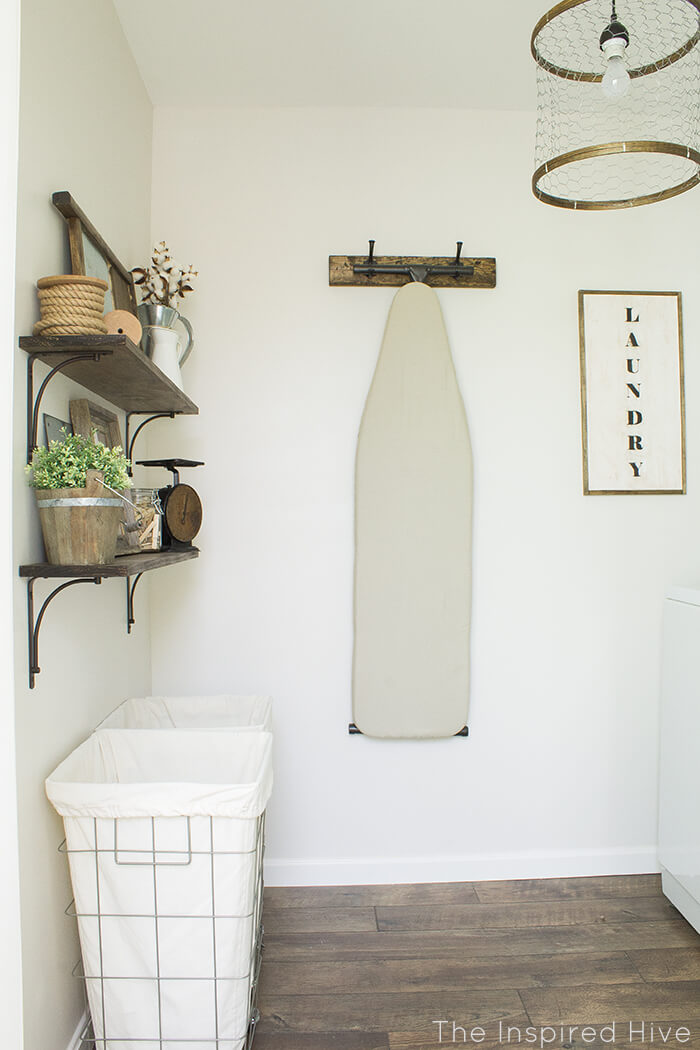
(182, 507)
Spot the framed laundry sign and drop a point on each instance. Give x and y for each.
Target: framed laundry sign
(632, 399)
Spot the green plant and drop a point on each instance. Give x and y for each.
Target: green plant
(64, 464)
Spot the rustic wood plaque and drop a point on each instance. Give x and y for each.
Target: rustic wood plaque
(340, 271)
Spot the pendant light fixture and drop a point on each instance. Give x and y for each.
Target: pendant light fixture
(618, 96)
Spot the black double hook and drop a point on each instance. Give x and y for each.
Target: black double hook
(417, 271)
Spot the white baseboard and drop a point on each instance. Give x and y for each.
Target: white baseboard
(470, 868)
(75, 1043)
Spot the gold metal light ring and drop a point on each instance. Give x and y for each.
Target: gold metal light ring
(608, 149)
(594, 78)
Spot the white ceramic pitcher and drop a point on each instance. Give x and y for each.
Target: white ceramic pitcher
(162, 341)
(165, 351)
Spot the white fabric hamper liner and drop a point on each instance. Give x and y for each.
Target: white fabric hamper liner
(248, 713)
(164, 840)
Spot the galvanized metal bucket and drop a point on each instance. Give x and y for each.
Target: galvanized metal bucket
(80, 526)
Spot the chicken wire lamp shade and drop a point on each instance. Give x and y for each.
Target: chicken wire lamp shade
(634, 139)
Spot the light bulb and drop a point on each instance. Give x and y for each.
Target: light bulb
(616, 82)
(614, 41)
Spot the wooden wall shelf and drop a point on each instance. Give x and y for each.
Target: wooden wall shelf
(125, 567)
(123, 374)
(116, 369)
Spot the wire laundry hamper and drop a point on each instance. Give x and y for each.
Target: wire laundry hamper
(168, 904)
(236, 713)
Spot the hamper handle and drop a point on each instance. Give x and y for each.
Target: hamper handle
(154, 857)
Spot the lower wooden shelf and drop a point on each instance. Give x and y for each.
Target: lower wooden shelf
(126, 567)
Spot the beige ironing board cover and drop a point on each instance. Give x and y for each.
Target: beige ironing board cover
(413, 533)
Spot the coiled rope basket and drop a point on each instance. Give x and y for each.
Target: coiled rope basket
(71, 305)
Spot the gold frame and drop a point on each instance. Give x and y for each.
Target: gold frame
(607, 149)
(595, 78)
(587, 491)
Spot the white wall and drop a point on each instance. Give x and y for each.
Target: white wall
(85, 126)
(558, 775)
(11, 957)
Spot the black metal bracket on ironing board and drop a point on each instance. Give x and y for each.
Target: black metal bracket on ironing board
(354, 731)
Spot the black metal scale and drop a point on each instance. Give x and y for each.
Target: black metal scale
(182, 507)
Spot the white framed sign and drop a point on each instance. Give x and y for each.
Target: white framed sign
(632, 398)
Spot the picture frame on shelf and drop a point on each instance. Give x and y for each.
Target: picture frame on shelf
(632, 393)
(54, 428)
(91, 256)
(88, 418)
(92, 420)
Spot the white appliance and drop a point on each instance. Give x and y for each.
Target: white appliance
(679, 783)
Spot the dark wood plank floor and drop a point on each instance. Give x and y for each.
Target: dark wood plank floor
(548, 963)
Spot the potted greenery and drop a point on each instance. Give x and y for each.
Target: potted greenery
(77, 483)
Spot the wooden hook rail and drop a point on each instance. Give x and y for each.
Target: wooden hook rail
(392, 271)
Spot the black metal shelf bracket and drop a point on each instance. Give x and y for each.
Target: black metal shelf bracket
(130, 588)
(354, 731)
(33, 404)
(34, 626)
(129, 441)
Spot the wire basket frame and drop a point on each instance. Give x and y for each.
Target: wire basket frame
(596, 153)
(226, 929)
(88, 1040)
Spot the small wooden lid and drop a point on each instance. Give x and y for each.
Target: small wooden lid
(122, 322)
(71, 278)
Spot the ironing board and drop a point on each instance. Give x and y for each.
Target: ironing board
(413, 533)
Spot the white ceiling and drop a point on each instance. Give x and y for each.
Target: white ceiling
(335, 52)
